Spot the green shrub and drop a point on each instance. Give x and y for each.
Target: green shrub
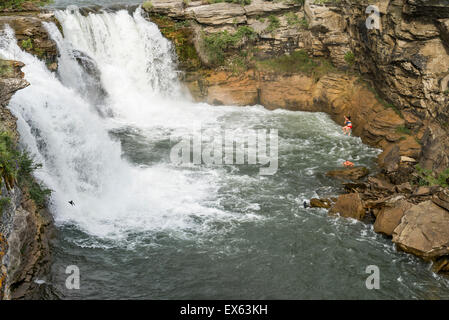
(349, 58)
(274, 23)
(17, 167)
(218, 43)
(4, 202)
(6, 70)
(147, 6)
(27, 44)
(404, 130)
(304, 23)
(292, 19)
(429, 178)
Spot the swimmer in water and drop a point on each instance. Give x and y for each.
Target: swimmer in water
(348, 163)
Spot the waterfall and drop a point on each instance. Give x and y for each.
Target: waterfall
(116, 71)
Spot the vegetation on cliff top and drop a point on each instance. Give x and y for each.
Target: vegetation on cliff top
(18, 4)
(181, 36)
(296, 62)
(217, 44)
(6, 70)
(17, 166)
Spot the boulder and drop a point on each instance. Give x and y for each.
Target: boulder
(349, 206)
(31, 28)
(424, 231)
(389, 217)
(320, 203)
(355, 173)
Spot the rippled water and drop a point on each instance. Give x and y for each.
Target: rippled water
(144, 227)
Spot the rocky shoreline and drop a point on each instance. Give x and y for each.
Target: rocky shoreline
(392, 82)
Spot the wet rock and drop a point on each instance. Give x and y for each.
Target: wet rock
(389, 217)
(355, 173)
(349, 206)
(29, 29)
(424, 231)
(320, 203)
(441, 265)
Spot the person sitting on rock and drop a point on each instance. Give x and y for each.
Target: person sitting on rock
(348, 126)
(348, 163)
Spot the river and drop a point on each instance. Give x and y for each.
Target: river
(145, 227)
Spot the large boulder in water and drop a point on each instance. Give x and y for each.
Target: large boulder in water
(355, 173)
(389, 217)
(424, 231)
(349, 206)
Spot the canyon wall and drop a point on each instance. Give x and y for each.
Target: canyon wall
(404, 63)
(25, 226)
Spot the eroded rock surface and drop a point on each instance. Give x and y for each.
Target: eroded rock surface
(424, 231)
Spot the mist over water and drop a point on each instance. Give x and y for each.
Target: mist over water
(143, 227)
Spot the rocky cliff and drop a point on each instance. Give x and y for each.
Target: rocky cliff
(25, 227)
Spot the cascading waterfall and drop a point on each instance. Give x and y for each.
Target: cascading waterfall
(115, 71)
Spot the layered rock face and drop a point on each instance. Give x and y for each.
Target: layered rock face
(32, 36)
(24, 228)
(409, 62)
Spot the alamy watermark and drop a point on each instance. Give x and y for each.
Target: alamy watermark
(373, 20)
(73, 280)
(373, 280)
(252, 147)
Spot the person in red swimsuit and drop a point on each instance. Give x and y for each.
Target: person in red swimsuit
(348, 126)
(348, 163)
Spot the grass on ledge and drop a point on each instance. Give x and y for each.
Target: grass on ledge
(429, 178)
(297, 62)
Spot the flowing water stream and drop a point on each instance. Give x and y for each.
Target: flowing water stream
(145, 227)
